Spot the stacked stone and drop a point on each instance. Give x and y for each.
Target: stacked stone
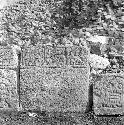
(54, 78)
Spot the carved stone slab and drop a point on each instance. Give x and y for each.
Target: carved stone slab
(7, 58)
(54, 57)
(59, 84)
(8, 89)
(108, 94)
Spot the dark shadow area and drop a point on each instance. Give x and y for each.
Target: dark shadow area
(55, 118)
(90, 100)
(18, 77)
(116, 115)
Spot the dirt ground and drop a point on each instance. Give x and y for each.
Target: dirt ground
(44, 118)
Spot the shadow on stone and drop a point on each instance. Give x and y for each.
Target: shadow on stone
(90, 100)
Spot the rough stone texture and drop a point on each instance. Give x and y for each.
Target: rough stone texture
(108, 94)
(59, 83)
(32, 56)
(8, 79)
(7, 58)
(54, 57)
(8, 89)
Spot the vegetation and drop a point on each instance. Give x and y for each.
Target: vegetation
(59, 22)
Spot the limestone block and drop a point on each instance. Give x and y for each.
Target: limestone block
(54, 78)
(54, 89)
(7, 58)
(8, 89)
(108, 94)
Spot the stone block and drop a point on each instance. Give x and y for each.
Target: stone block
(7, 58)
(59, 81)
(54, 89)
(108, 94)
(8, 89)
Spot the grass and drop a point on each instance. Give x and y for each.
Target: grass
(57, 118)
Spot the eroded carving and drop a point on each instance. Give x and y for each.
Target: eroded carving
(54, 57)
(7, 58)
(32, 56)
(109, 92)
(77, 56)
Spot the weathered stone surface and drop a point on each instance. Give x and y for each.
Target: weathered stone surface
(32, 56)
(108, 94)
(8, 89)
(59, 84)
(7, 58)
(57, 57)
(58, 89)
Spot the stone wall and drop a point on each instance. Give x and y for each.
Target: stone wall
(54, 78)
(108, 94)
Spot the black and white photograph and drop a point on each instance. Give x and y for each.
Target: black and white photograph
(61, 62)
